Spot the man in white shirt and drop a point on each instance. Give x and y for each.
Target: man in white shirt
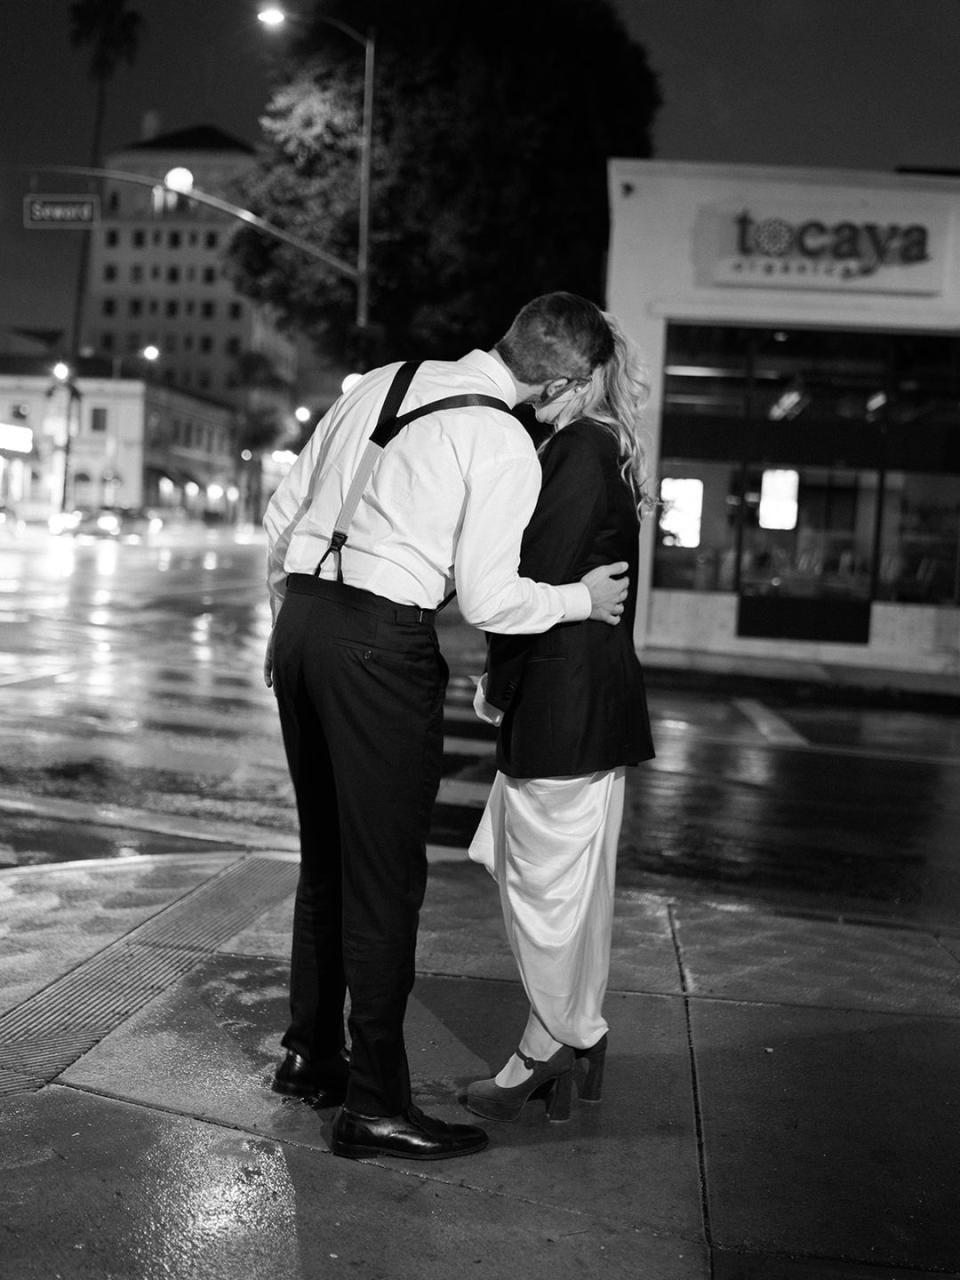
(360, 681)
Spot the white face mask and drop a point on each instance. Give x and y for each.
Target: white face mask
(555, 407)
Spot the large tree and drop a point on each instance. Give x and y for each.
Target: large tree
(492, 127)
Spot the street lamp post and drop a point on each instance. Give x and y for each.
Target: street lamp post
(366, 167)
(273, 15)
(213, 202)
(63, 376)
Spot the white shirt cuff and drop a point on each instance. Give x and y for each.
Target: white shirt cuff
(576, 601)
(487, 712)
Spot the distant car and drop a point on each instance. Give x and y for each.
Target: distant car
(126, 524)
(10, 525)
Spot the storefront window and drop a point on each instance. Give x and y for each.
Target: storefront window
(826, 551)
(823, 466)
(682, 499)
(920, 546)
(696, 536)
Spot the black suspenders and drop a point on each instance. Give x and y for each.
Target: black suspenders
(389, 423)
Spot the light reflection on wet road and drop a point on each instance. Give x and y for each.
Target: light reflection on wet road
(130, 678)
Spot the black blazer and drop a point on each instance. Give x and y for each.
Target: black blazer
(573, 697)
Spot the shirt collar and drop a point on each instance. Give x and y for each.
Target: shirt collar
(484, 363)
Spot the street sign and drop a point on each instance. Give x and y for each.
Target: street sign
(58, 213)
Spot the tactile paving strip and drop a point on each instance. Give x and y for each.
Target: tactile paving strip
(13, 1082)
(53, 1028)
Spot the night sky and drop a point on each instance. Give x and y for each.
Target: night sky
(855, 84)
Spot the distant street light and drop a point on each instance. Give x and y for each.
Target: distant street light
(274, 16)
(178, 179)
(271, 15)
(63, 378)
(151, 353)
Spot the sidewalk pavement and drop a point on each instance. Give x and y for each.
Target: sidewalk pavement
(782, 1099)
(808, 680)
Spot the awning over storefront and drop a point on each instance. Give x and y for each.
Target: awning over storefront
(179, 476)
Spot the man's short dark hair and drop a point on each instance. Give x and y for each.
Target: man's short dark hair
(558, 335)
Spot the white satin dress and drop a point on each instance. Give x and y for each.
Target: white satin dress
(551, 845)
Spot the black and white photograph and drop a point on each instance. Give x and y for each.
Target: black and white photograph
(480, 640)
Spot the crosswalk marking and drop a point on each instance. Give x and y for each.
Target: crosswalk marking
(464, 713)
(471, 795)
(773, 727)
(469, 746)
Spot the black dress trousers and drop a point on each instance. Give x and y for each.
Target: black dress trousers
(360, 685)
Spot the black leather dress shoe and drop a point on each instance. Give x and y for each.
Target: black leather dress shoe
(410, 1135)
(325, 1080)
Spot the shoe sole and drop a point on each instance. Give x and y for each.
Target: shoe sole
(325, 1097)
(504, 1117)
(355, 1151)
(290, 1090)
(514, 1116)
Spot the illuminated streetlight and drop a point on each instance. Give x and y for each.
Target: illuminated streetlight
(179, 180)
(63, 381)
(213, 202)
(302, 413)
(273, 16)
(151, 353)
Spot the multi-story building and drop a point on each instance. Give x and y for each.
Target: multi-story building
(92, 439)
(156, 275)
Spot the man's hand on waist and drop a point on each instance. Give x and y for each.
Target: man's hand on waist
(608, 591)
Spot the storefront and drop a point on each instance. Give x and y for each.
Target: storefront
(16, 446)
(96, 441)
(803, 335)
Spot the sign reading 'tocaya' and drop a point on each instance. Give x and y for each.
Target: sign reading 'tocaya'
(865, 246)
(781, 249)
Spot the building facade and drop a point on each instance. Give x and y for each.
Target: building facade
(95, 440)
(156, 275)
(802, 330)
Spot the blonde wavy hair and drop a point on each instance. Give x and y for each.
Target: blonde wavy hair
(615, 397)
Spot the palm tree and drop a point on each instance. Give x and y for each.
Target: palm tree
(112, 32)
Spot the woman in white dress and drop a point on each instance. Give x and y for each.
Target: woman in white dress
(572, 713)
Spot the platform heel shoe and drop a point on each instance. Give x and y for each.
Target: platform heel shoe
(590, 1082)
(551, 1080)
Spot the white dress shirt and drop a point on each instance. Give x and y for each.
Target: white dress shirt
(446, 505)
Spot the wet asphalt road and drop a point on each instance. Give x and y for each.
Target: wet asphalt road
(134, 720)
